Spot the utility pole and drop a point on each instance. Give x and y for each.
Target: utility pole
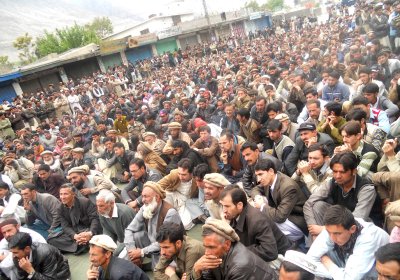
(207, 17)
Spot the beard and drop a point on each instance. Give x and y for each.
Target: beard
(49, 162)
(79, 184)
(148, 210)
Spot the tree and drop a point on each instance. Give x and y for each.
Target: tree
(26, 46)
(65, 39)
(102, 26)
(274, 5)
(253, 4)
(5, 64)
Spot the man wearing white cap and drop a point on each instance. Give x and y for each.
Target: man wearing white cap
(104, 265)
(140, 235)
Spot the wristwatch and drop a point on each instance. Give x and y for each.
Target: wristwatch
(30, 275)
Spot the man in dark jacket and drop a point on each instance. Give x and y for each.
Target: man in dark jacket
(308, 136)
(123, 158)
(37, 261)
(79, 221)
(132, 193)
(106, 266)
(182, 150)
(47, 181)
(281, 198)
(256, 230)
(227, 258)
(252, 155)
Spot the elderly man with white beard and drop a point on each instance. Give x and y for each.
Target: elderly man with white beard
(140, 236)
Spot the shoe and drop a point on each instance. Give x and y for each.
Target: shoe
(82, 249)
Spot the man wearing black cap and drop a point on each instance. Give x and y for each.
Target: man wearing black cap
(308, 136)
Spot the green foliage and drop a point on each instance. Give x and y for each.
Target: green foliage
(26, 47)
(76, 36)
(253, 4)
(102, 26)
(5, 64)
(270, 5)
(274, 5)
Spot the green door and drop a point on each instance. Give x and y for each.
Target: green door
(112, 60)
(167, 45)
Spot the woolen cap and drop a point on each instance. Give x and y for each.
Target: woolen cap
(221, 228)
(8, 222)
(66, 147)
(78, 150)
(148, 133)
(104, 241)
(155, 187)
(175, 125)
(282, 117)
(216, 179)
(79, 169)
(46, 153)
(111, 131)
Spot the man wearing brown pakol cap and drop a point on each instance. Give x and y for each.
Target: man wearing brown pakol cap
(175, 133)
(226, 258)
(140, 235)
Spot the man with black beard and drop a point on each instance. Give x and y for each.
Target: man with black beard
(140, 235)
(89, 185)
(9, 228)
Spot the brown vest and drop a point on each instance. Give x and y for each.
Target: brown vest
(165, 206)
(235, 161)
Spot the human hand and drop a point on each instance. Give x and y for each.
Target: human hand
(26, 265)
(315, 229)
(133, 204)
(259, 200)
(389, 146)
(86, 191)
(311, 141)
(183, 276)
(93, 273)
(224, 158)
(169, 271)
(303, 167)
(206, 262)
(134, 254)
(27, 205)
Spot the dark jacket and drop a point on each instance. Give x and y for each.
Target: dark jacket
(124, 161)
(240, 263)
(249, 179)
(189, 153)
(81, 217)
(48, 263)
(135, 187)
(300, 152)
(286, 202)
(121, 269)
(260, 235)
(51, 185)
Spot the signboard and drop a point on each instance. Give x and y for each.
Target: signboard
(170, 32)
(112, 46)
(136, 41)
(255, 15)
